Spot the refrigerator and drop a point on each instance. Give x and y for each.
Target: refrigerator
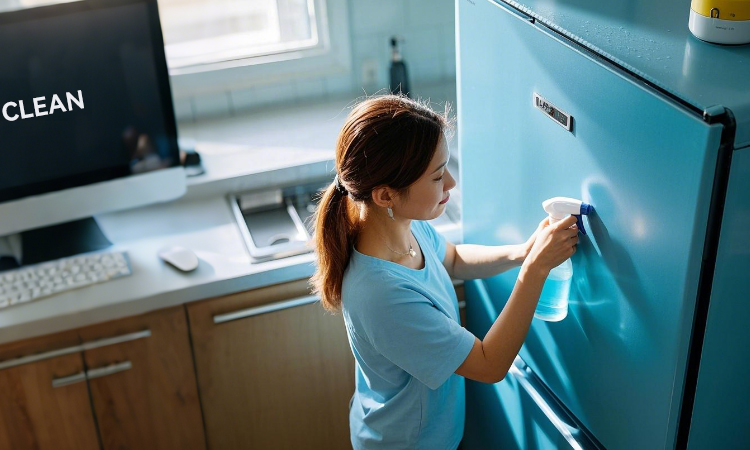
(614, 103)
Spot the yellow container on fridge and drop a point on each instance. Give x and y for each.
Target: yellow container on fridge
(720, 21)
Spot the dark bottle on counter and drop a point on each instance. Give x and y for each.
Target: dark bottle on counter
(399, 75)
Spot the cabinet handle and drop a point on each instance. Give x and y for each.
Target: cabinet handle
(108, 370)
(74, 349)
(255, 311)
(116, 340)
(72, 379)
(91, 374)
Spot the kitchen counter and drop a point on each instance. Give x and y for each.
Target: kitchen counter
(202, 221)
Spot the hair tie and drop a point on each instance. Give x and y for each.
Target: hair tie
(338, 185)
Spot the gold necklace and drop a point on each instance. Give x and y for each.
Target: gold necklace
(411, 251)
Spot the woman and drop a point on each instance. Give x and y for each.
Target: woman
(389, 272)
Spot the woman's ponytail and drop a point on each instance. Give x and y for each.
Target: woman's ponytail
(335, 233)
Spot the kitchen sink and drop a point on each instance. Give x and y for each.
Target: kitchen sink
(276, 223)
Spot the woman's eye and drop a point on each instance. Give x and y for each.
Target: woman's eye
(438, 179)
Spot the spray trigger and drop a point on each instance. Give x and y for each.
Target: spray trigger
(585, 209)
(579, 224)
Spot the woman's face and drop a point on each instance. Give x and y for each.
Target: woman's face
(427, 198)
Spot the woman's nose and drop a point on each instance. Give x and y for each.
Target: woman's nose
(450, 182)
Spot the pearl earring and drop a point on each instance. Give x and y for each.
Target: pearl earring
(390, 213)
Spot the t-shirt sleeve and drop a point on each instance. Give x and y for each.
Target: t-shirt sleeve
(413, 334)
(436, 239)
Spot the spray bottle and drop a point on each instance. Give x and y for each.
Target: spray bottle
(553, 302)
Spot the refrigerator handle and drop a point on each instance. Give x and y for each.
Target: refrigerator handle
(550, 407)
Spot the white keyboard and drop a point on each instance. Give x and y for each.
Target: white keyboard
(42, 280)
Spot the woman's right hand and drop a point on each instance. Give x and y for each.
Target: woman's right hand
(553, 244)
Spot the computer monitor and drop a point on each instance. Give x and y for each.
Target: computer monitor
(86, 117)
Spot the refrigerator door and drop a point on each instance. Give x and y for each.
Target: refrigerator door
(645, 163)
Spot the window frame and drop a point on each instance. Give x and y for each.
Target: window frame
(333, 57)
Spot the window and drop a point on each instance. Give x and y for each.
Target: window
(200, 33)
(221, 45)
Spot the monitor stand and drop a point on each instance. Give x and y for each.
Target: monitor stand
(62, 240)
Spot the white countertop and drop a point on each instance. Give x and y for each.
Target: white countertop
(202, 221)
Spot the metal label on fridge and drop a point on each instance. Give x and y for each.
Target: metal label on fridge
(562, 118)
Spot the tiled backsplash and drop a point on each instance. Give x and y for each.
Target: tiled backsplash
(429, 51)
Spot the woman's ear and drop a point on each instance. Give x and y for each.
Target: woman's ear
(383, 196)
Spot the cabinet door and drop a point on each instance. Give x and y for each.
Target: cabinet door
(143, 390)
(36, 415)
(270, 378)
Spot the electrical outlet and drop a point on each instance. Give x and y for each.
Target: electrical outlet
(369, 72)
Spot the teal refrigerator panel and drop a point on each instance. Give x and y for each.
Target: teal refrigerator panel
(646, 163)
(720, 418)
(651, 39)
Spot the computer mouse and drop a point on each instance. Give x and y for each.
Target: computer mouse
(180, 257)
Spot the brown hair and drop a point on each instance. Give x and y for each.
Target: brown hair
(385, 141)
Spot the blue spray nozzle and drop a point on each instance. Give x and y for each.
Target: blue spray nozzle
(586, 209)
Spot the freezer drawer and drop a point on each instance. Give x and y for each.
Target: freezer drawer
(518, 412)
(517, 422)
(617, 361)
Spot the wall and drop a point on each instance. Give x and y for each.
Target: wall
(429, 51)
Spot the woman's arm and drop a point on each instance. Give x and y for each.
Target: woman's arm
(489, 359)
(469, 261)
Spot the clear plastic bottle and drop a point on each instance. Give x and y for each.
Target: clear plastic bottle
(553, 302)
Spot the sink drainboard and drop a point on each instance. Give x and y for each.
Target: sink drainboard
(273, 226)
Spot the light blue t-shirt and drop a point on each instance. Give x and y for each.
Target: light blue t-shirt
(404, 331)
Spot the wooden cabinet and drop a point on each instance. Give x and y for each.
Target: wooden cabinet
(274, 369)
(127, 384)
(143, 390)
(34, 414)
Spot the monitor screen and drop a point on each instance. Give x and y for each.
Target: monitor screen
(84, 96)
